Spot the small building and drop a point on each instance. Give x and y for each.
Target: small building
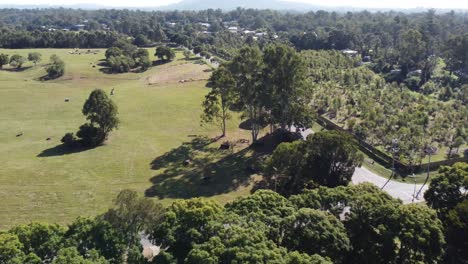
(415, 73)
(79, 27)
(206, 25)
(349, 52)
(233, 29)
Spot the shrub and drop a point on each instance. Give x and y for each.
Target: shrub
(69, 139)
(56, 68)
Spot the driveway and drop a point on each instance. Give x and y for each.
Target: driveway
(402, 191)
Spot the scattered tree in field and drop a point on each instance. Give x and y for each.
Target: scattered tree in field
(35, 57)
(325, 158)
(4, 60)
(165, 53)
(56, 68)
(219, 99)
(113, 52)
(101, 112)
(17, 61)
(141, 57)
(187, 54)
(121, 63)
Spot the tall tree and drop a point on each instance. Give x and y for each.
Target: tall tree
(284, 77)
(246, 68)
(101, 112)
(219, 99)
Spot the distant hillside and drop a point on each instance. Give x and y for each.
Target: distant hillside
(233, 4)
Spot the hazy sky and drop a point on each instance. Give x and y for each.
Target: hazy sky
(459, 4)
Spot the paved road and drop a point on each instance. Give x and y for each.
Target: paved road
(403, 191)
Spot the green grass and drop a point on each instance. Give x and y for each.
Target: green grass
(41, 181)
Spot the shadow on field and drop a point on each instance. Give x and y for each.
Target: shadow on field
(16, 69)
(196, 169)
(61, 150)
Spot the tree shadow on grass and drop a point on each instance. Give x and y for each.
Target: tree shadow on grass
(16, 69)
(197, 169)
(61, 150)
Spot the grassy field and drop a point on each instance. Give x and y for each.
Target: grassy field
(42, 181)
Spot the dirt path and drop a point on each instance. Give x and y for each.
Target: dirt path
(403, 191)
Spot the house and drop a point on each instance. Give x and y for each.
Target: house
(79, 27)
(415, 73)
(232, 29)
(349, 52)
(206, 25)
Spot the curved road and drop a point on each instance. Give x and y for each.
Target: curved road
(403, 191)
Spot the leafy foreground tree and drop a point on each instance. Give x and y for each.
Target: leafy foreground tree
(101, 112)
(219, 99)
(325, 158)
(448, 189)
(133, 214)
(346, 224)
(457, 232)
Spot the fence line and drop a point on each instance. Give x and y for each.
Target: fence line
(383, 158)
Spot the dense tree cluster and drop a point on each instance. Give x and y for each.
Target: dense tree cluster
(447, 194)
(324, 159)
(124, 56)
(106, 239)
(269, 87)
(346, 224)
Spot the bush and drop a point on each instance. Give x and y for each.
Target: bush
(121, 63)
(56, 68)
(69, 139)
(89, 135)
(17, 61)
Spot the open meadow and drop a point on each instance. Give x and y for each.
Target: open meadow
(40, 180)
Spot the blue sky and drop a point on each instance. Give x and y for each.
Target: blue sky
(458, 4)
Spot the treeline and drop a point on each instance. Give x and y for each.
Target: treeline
(347, 224)
(18, 39)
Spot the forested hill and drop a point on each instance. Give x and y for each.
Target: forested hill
(231, 5)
